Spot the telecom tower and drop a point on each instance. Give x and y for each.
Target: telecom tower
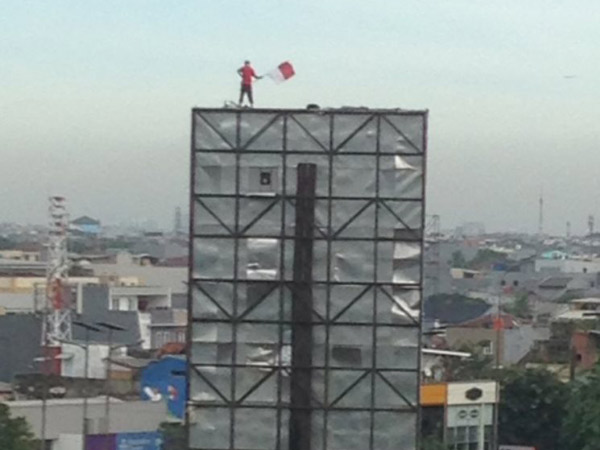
(57, 323)
(178, 223)
(541, 215)
(590, 224)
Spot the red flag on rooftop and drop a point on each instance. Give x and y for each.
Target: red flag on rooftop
(283, 72)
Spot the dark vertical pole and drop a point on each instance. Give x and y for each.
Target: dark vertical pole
(302, 303)
(190, 277)
(86, 365)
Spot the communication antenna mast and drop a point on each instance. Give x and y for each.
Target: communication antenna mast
(178, 224)
(568, 229)
(541, 215)
(57, 323)
(591, 224)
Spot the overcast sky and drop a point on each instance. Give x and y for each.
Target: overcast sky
(95, 96)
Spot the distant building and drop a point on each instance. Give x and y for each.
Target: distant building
(566, 286)
(128, 265)
(168, 326)
(128, 306)
(86, 225)
(63, 421)
(564, 265)
(509, 345)
(580, 309)
(585, 345)
(21, 255)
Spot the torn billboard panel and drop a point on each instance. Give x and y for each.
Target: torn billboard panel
(305, 341)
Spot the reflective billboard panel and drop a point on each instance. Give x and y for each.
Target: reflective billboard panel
(305, 279)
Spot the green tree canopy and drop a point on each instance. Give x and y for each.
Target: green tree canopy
(582, 421)
(174, 436)
(485, 258)
(458, 260)
(14, 432)
(519, 307)
(532, 408)
(477, 367)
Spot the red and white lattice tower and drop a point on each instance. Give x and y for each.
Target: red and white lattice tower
(57, 324)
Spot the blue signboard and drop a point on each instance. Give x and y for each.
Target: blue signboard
(164, 380)
(150, 440)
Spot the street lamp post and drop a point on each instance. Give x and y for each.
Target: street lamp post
(44, 360)
(86, 364)
(107, 386)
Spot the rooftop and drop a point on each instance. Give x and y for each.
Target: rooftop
(85, 220)
(587, 300)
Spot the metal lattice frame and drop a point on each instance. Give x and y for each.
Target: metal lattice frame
(366, 277)
(57, 322)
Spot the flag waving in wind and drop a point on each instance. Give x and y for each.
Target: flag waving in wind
(283, 72)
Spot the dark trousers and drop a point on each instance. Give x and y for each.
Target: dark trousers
(246, 89)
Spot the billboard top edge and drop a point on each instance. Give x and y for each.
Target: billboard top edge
(342, 110)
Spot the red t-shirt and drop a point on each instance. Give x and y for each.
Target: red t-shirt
(247, 74)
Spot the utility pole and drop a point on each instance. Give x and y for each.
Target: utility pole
(107, 384)
(86, 347)
(302, 305)
(432, 236)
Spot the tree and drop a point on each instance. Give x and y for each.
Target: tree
(532, 408)
(14, 432)
(430, 443)
(477, 367)
(458, 260)
(6, 244)
(520, 307)
(486, 258)
(174, 436)
(581, 424)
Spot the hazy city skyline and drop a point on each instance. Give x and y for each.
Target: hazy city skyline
(96, 97)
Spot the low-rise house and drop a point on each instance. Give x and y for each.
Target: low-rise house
(504, 339)
(168, 326)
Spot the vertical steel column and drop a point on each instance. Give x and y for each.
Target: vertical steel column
(302, 305)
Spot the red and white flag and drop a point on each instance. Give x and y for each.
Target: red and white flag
(283, 72)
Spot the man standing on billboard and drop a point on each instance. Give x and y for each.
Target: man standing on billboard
(246, 72)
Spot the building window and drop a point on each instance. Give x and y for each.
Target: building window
(114, 304)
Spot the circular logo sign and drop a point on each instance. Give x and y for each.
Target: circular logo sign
(474, 394)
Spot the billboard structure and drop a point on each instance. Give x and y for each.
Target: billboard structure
(305, 278)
